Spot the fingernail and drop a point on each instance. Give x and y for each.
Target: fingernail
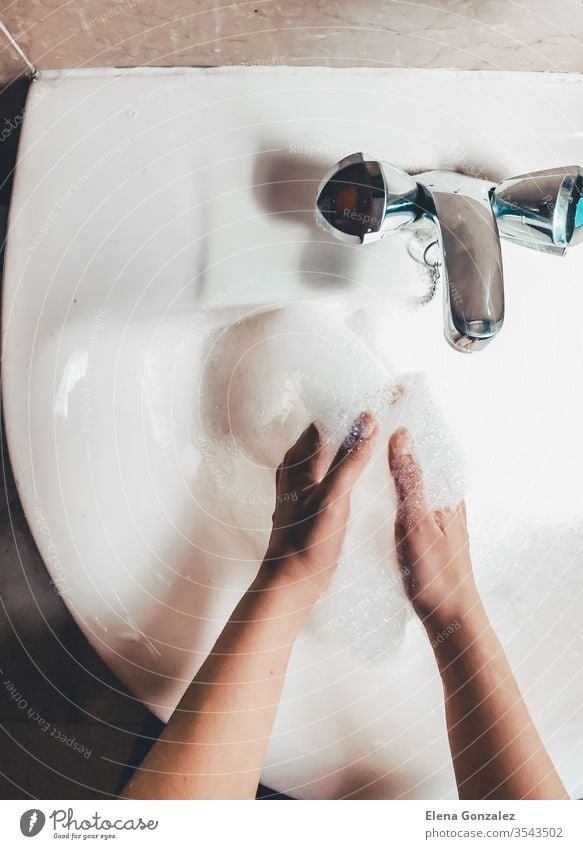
(362, 428)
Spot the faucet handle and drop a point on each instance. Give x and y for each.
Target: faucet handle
(542, 209)
(361, 200)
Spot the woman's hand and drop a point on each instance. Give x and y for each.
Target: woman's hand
(214, 745)
(312, 506)
(432, 546)
(496, 750)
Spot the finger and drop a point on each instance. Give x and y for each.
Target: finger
(445, 517)
(407, 477)
(299, 469)
(351, 457)
(451, 517)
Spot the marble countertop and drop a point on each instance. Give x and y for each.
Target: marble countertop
(531, 35)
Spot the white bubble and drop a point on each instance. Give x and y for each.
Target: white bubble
(270, 375)
(434, 446)
(267, 376)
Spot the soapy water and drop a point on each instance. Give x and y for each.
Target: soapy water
(275, 372)
(365, 602)
(266, 377)
(433, 443)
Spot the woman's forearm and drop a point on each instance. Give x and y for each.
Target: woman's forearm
(214, 744)
(497, 752)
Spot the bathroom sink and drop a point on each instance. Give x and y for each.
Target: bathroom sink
(152, 209)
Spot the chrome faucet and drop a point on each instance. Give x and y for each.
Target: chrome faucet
(462, 219)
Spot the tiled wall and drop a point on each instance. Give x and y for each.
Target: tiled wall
(508, 34)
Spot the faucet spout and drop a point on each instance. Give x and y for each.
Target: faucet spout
(363, 200)
(473, 283)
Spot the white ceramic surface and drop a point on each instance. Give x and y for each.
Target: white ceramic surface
(145, 210)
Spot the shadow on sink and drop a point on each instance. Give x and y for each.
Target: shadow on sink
(286, 185)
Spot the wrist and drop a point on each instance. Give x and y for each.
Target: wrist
(293, 589)
(461, 645)
(465, 647)
(464, 617)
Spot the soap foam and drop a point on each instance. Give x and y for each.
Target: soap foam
(365, 608)
(270, 374)
(433, 444)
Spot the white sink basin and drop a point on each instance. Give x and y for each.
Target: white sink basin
(147, 215)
